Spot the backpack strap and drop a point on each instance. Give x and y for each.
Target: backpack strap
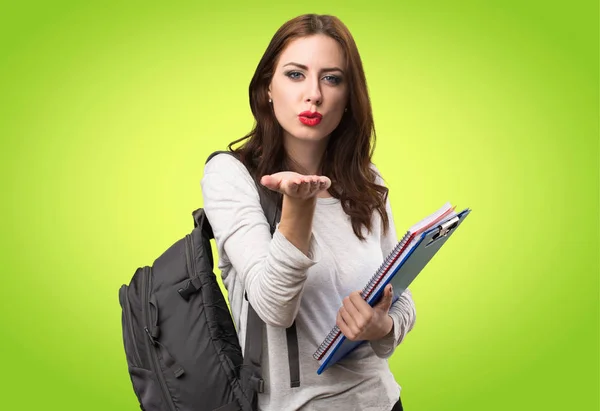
(270, 202)
(271, 205)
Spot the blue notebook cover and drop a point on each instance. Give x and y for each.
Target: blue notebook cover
(400, 268)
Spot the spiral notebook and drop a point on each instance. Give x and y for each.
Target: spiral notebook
(412, 253)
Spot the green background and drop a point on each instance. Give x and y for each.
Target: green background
(108, 112)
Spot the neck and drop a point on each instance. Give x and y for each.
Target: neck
(305, 156)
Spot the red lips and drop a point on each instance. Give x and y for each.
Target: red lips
(310, 118)
(310, 114)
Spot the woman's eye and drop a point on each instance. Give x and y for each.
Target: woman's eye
(333, 80)
(294, 75)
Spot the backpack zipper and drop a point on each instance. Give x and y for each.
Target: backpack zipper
(127, 310)
(146, 283)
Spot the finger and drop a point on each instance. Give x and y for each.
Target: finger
(270, 182)
(314, 188)
(386, 301)
(348, 320)
(325, 181)
(314, 184)
(293, 186)
(351, 322)
(304, 188)
(299, 187)
(351, 309)
(361, 305)
(344, 327)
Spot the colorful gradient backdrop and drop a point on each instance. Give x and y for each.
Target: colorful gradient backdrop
(109, 111)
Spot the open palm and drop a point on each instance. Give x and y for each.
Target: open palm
(296, 185)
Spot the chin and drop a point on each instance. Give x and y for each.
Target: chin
(310, 136)
(310, 133)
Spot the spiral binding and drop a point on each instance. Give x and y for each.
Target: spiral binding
(333, 334)
(385, 266)
(367, 290)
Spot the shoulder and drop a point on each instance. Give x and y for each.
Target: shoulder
(223, 162)
(225, 171)
(227, 166)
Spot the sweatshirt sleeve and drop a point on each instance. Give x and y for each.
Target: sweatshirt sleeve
(402, 311)
(272, 270)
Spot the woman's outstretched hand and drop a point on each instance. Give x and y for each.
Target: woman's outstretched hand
(296, 185)
(299, 203)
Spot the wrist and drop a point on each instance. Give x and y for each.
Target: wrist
(388, 326)
(296, 221)
(299, 203)
(297, 213)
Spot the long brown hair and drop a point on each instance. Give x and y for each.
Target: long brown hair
(347, 159)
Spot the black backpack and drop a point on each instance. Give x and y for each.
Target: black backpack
(180, 341)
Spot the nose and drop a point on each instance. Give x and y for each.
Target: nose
(313, 92)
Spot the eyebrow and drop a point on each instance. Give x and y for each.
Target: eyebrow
(303, 67)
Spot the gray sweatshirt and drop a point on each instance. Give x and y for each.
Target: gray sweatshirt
(283, 284)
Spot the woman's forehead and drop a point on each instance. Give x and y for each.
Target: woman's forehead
(315, 52)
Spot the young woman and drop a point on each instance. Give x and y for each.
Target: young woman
(312, 143)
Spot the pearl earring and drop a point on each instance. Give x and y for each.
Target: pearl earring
(346, 109)
(270, 101)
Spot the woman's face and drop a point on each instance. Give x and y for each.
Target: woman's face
(309, 89)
